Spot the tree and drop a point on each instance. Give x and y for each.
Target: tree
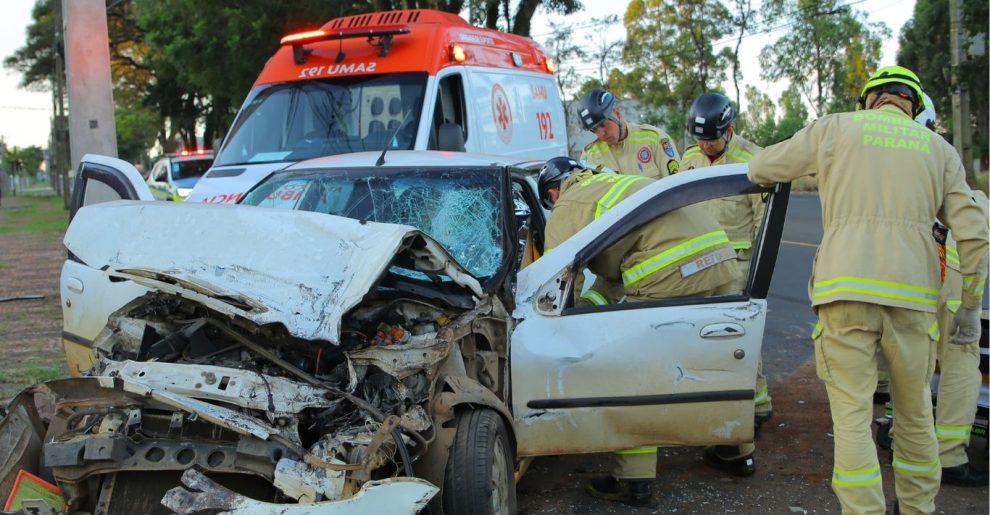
(760, 124)
(36, 59)
(562, 49)
(924, 48)
(497, 14)
(826, 51)
(743, 19)
(669, 48)
(605, 51)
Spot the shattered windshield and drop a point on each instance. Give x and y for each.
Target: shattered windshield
(313, 118)
(459, 207)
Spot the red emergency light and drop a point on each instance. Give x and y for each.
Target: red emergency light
(457, 54)
(383, 33)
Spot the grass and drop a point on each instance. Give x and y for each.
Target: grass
(16, 378)
(33, 214)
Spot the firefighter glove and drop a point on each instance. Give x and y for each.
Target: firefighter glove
(967, 320)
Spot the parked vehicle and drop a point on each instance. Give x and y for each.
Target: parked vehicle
(174, 175)
(364, 335)
(399, 80)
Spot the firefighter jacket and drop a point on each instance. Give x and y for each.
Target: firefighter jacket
(680, 254)
(952, 255)
(883, 179)
(646, 151)
(740, 215)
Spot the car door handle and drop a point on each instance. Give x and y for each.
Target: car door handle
(74, 285)
(722, 330)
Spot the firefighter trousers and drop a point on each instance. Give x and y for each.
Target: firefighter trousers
(958, 384)
(846, 360)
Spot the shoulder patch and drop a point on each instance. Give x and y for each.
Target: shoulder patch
(644, 155)
(673, 167)
(667, 147)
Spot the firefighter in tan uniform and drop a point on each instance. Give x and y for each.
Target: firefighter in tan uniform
(649, 264)
(959, 376)
(883, 180)
(629, 148)
(710, 123)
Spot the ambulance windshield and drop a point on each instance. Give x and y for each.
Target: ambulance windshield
(306, 119)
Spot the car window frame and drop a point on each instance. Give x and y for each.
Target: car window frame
(766, 243)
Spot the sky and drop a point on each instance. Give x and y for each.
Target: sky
(25, 115)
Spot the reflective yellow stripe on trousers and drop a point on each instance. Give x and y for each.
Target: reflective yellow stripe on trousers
(952, 432)
(858, 477)
(673, 255)
(873, 287)
(915, 468)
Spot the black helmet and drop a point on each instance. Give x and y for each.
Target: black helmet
(595, 107)
(554, 172)
(710, 116)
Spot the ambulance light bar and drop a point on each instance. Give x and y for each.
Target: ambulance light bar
(383, 32)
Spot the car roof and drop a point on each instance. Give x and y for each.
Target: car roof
(413, 158)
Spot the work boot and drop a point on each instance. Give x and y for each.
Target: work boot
(963, 475)
(634, 492)
(727, 458)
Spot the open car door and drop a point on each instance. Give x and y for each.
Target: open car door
(665, 372)
(98, 179)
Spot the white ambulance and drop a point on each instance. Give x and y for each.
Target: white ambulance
(396, 80)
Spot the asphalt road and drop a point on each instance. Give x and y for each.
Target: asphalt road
(786, 340)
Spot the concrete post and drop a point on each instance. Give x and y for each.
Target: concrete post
(87, 60)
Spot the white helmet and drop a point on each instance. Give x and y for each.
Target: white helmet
(927, 116)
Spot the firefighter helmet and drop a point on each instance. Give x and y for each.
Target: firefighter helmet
(710, 116)
(554, 172)
(595, 107)
(927, 115)
(897, 80)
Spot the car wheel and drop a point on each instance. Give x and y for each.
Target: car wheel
(479, 477)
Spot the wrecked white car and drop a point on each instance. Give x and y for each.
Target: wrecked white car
(372, 337)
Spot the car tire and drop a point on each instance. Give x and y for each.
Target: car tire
(479, 477)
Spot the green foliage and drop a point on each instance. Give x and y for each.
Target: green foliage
(24, 161)
(669, 48)
(38, 214)
(827, 52)
(925, 48)
(759, 123)
(36, 59)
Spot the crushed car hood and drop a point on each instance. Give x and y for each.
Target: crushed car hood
(303, 270)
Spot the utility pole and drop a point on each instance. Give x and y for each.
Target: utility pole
(87, 59)
(962, 134)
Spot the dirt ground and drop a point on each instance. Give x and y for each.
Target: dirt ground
(793, 457)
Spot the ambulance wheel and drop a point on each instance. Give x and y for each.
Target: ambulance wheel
(480, 469)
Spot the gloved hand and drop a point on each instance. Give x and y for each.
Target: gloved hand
(968, 322)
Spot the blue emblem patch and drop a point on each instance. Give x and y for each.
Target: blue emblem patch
(667, 148)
